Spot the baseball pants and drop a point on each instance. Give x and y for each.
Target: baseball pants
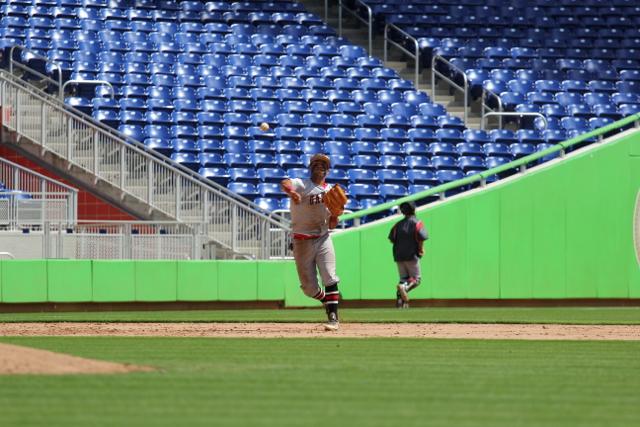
(313, 256)
(409, 269)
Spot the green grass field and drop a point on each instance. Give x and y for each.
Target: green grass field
(574, 315)
(335, 382)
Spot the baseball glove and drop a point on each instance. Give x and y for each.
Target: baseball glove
(335, 199)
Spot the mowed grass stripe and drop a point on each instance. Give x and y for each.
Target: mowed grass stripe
(372, 382)
(565, 315)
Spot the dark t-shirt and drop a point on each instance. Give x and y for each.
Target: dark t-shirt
(407, 237)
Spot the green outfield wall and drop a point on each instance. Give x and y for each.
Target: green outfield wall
(564, 231)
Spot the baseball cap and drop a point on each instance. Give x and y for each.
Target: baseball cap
(319, 157)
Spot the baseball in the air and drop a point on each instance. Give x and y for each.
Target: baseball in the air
(264, 126)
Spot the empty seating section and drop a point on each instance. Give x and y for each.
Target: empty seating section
(195, 79)
(560, 58)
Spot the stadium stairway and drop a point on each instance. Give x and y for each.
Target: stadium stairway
(357, 34)
(147, 186)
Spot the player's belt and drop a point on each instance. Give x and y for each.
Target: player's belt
(299, 236)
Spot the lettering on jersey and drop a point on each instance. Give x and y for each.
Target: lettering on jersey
(315, 199)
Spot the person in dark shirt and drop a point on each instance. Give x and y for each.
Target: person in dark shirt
(407, 236)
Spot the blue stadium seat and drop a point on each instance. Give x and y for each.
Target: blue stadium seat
(391, 176)
(467, 163)
(628, 109)
(269, 189)
(521, 149)
(289, 160)
(392, 191)
(362, 190)
(418, 162)
(268, 203)
(469, 149)
(598, 122)
(367, 161)
(444, 162)
(338, 176)
(362, 175)
(337, 148)
(446, 175)
(243, 174)
(494, 149)
(553, 136)
(244, 189)
(364, 147)
(188, 160)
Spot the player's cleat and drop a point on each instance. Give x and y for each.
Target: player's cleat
(405, 305)
(402, 289)
(332, 324)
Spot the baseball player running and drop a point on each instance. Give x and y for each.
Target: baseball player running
(312, 247)
(407, 237)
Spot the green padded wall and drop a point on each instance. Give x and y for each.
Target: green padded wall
(24, 281)
(237, 281)
(156, 280)
(69, 280)
(271, 276)
(350, 279)
(113, 281)
(293, 295)
(197, 281)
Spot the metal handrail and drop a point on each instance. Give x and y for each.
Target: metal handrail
(514, 114)
(415, 55)
(368, 23)
(83, 82)
(464, 89)
(20, 65)
(482, 176)
(37, 175)
(486, 93)
(8, 255)
(17, 181)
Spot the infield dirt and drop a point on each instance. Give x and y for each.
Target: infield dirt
(311, 330)
(16, 359)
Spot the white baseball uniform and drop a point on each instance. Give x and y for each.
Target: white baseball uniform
(312, 247)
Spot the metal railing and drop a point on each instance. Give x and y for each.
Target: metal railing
(481, 178)
(124, 240)
(28, 198)
(464, 89)
(86, 82)
(485, 106)
(354, 13)
(137, 172)
(415, 54)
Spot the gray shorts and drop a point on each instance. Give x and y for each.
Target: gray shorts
(407, 269)
(313, 256)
